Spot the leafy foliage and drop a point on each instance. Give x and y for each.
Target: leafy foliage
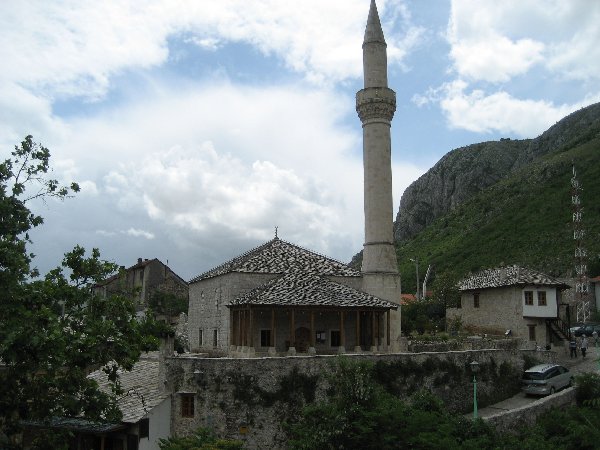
(202, 439)
(360, 413)
(168, 304)
(53, 331)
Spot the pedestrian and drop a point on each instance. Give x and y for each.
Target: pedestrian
(573, 348)
(584, 344)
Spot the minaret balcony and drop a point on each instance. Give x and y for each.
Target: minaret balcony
(376, 103)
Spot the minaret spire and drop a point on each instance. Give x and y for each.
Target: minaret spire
(376, 104)
(373, 32)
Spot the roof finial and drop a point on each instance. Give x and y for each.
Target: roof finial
(276, 227)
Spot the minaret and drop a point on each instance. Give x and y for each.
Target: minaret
(376, 104)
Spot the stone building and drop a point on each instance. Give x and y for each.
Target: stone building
(279, 298)
(526, 302)
(142, 280)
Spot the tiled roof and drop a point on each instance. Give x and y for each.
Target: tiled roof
(301, 289)
(507, 276)
(140, 389)
(77, 424)
(278, 257)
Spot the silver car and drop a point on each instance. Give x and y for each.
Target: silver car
(545, 379)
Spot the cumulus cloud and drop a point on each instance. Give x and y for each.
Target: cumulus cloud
(496, 41)
(73, 48)
(512, 62)
(477, 111)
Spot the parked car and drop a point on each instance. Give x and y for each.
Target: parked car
(545, 379)
(576, 326)
(586, 329)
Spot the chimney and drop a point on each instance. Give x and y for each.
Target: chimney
(139, 260)
(167, 345)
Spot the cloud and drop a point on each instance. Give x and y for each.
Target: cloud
(496, 41)
(475, 110)
(72, 48)
(139, 233)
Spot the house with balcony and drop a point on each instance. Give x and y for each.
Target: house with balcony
(524, 301)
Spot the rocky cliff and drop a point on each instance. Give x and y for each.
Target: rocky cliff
(466, 171)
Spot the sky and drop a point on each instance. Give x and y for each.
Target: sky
(196, 127)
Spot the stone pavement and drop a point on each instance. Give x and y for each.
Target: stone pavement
(575, 365)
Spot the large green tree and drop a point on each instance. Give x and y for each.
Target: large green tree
(53, 331)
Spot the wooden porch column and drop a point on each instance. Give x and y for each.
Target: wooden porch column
(238, 332)
(373, 342)
(272, 343)
(242, 317)
(387, 328)
(378, 317)
(312, 329)
(251, 328)
(231, 322)
(342, 331)
(292, 329)
(357, 347)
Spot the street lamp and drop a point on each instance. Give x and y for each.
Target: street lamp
(416, 261)
(595, 336)
(474, 369)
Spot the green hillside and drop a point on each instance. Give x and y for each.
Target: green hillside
(524, 219)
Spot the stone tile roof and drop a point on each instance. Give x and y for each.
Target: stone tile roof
(140, 389)
(278, 257)
(507, 276)
(301, 289)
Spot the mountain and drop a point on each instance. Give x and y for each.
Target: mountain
(466, 171)
(504, 202)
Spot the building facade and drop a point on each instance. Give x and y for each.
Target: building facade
(142, 280)
(526, 302)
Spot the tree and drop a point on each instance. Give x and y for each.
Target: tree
(53, 331)
(445, 290)
(168, 304)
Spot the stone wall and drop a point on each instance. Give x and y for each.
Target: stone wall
(249, 399)
(208, 311)
(510, 421)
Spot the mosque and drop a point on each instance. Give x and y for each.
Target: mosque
(281, 299)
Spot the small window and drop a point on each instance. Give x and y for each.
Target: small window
(335, 338)
(265, 338)
(215, 338)
(200, 340)
(476, 300)
(528, 298)
(541, 295)
(531, 332)
(321, 337)
(187, 405)
(144, 428)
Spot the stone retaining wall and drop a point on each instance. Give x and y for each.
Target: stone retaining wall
(249, 399)
(510, 421)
